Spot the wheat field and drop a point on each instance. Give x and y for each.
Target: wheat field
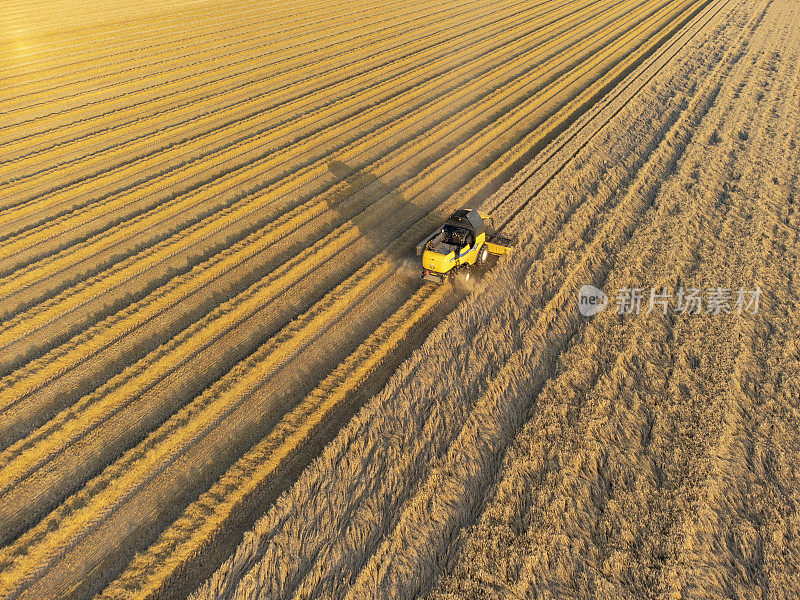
(222, 377)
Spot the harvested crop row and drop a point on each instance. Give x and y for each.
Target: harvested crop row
(88, 48)
(242, 95)
(396, 70)
(163, 458)
(202, 522)
(278, 352)
(345, 574)
(246, 38)
(19, 461)
(91, 40)
(106, 112)
(62, 309)
(276, 55)
(267, 33)
(107, 242)
(174, 125)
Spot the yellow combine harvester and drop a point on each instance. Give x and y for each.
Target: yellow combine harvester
(465, 240)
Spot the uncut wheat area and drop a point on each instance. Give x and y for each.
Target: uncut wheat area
(222, 375)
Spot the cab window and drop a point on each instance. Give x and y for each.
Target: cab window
(455, 236)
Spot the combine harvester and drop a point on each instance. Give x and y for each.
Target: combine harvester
(465, 240)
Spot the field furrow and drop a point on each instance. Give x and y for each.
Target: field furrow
(613, 398)
(12, 337)
(236, 178)
(79, 357)
(245, 41)
(217, 359)
(242, 101)
(251, 146)
(44, 117)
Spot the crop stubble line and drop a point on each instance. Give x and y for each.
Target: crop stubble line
(701, 525)
(61, 220)
(336, 237)
(150, 28)
(306, 117)
(184, 107)
(142, 98)
(236, 41)
(36, 203)
(274, 354)
(92, 410)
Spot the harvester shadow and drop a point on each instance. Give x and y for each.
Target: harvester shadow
(386, 214)
(376, 209)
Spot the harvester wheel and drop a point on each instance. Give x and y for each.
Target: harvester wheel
(483, 255)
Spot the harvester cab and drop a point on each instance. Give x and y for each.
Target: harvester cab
(466, 240)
